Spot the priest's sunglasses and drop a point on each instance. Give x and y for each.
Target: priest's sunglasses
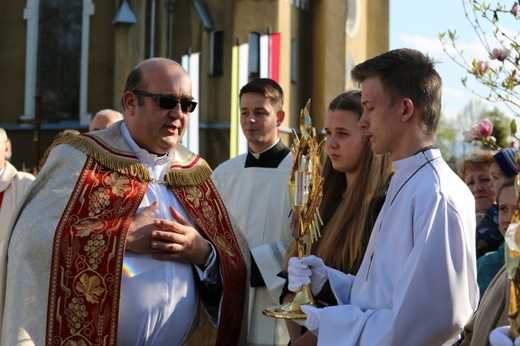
(166, 102)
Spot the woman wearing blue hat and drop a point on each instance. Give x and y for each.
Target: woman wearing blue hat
(503, 167)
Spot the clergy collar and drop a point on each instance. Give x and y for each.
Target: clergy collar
(142, 154)
(274, 146)
(270, 158)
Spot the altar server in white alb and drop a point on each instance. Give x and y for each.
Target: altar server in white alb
(417, 282)
(254, 189)
(14, 185)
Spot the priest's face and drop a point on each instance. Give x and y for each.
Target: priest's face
(151, 121)
(259, 120)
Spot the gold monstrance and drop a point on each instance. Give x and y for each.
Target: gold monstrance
(305, 193)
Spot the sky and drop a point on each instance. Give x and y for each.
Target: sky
(417, 24)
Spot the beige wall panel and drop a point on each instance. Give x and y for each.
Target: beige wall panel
(12, 60)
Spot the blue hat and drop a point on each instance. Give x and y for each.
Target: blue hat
(506, 159)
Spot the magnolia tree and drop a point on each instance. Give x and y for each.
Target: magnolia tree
(499, 73)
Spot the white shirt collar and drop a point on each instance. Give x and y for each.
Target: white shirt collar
(257, 155)
(142, 154)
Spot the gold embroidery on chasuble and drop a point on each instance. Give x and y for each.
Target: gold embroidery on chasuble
(87, 257)
(204, 205)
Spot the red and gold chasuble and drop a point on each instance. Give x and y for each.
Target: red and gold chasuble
(87, 258)
(89, 247)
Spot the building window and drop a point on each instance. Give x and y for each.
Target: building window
(294, 61)
(216, 64)
(254, 54)
(59, 57)
(38, 57)
(353, 17)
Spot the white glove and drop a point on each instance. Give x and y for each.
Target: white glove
(319, 273)
(500, 337)
(312, 322)
(299, 274)
(313, 318)
(308, 270)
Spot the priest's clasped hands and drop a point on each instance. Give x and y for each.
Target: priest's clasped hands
(308, 271)
(167, 240)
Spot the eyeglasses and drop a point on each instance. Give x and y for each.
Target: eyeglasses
(166, 102)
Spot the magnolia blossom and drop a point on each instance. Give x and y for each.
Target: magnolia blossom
(468, 136)
(500, 54)
(479, 132)
(514, 9)
(481, 67)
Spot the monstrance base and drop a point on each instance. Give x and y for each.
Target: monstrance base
(291, 310)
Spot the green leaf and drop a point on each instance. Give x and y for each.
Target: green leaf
(512, 126)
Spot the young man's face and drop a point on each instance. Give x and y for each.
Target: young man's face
(259, 121)
(380, 120)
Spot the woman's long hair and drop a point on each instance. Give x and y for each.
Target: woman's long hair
(348, 221)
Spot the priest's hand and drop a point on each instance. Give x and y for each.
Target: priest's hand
(307, 271)
(139, 235)
(500, 337)
(180, 241)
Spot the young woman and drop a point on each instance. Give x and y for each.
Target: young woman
(354, 189)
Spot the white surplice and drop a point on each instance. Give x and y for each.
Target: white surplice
(258, 200)
(417, 282)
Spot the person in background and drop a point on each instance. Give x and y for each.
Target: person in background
(474, 169)
(13, 186)
(254, 189)
(67, 132)
(417, 282)
(104, 118)
(124, 236)
(494, 305)
(9, 149)
(354, 189)
(501, 169)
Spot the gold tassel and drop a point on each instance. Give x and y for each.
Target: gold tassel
(176, 177)
(189, 176)
(132, 167)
